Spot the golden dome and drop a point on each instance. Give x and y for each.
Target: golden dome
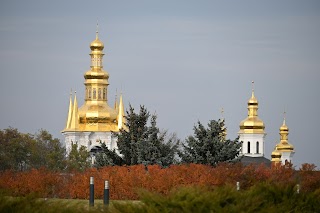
(253, 100)
(101, 74)
(284, 128)
(275, 154)
(96, 44)
(97, 113)
(276, 157)
(284, 145)
(252, 124)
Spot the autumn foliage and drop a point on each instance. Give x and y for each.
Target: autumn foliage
(125, 181)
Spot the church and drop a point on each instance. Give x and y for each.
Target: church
(94, 122)
(252, 135)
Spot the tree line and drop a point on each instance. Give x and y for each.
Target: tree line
(21, 152)
(141, 142)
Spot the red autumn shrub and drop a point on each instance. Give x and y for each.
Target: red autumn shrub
(124, 181)
(309, 177)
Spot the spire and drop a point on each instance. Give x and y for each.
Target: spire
(252, 84)
(74, 123)
(121, 118)
(116, 107)
(97, 45)
(69, 112)
(284, 131)
(224, 129)
(222, 111)
(252, 104)
(97, 31)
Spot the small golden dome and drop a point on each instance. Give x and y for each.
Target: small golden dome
(276, 154)
(253, 100)
(284, 127)
(252, 124)
(96, 45)
(284, 145)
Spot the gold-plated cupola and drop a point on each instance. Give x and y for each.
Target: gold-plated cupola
(283, 147)
(284, 144)
(252, 124)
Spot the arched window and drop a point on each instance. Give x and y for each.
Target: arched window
(94, 93)
(89, 93)
(99, 93)
(257, 147)
(248, 148)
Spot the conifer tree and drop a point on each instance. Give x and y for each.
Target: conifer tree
(209, 145)
(140, 143)
(107, 157)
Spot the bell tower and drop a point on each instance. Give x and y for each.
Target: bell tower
(252, 132)
(95, 120)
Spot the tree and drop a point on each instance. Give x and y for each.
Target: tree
(155, 149)
(47, 152)
(108, 157)
(140, 143)
(14, 149)
(78, 159)
(20, 151)
(209, 145)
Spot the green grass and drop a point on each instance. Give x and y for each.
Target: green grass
(55, 205)
(260, 198)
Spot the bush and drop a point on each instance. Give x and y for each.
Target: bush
(125, 181)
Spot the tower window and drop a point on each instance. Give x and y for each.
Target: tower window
(94, 93)
(99, 93)
(104, 93)
(257, 147)
(248, 148)
(89, 93)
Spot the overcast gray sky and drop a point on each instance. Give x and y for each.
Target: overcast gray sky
(182, 59)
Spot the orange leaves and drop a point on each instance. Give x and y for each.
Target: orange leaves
(125, 181)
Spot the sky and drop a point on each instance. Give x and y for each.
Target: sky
(183, 59)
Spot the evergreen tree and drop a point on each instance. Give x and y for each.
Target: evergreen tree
(107, 157)
(209, 145)
(155, 149)
(136, 132)
(140, 143)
